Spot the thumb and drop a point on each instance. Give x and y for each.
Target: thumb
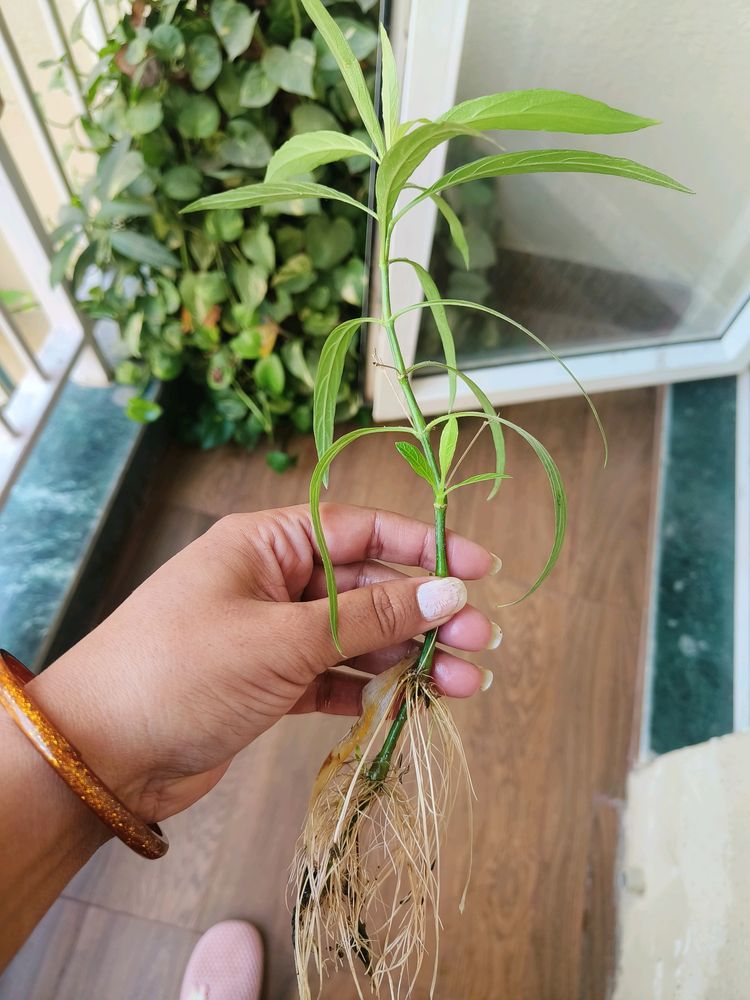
(383, 614)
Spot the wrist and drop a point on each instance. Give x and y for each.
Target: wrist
(67, 694)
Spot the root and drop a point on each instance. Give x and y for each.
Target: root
(366, 875)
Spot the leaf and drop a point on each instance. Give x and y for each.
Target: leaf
(145, 115)
(257, 246)
(182, 183)
(269, 375)
(167, 42)
(350, 280)
(143, 249)
(329, 241)
(361, 38)
(250, 283)
(390, 89)
(496, 429)
(61, 259)
(543, 110)
(266, 194)
(117, 169)
(198, 118)
(142, 411)
(403, 158)
(447, 448)
(247, 344)
(234, 24)
(556, 485)
(462, 304)
(319, 476)
(296, 274)
(245, 145)
(203, 61)
(416, 460)
(303, 153)
(257, 90)
(432, 295)
(280, 461)
(292, 69)
(313, 118)
(350, 69)
(328, 380)
(485, 477)
(123, 209)
(552, 161)
(455, 226)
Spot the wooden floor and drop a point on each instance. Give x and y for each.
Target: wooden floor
(549, 744)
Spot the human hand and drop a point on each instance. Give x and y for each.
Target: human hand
(233, 633)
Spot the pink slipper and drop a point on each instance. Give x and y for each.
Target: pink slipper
(226, 964)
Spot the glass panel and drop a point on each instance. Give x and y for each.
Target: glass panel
(590, 262)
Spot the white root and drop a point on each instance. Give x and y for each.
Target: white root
(366, 875)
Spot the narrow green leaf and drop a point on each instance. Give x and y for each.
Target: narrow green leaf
(350, 69)
(143, 249)
(432, 295)
(447, 447)
(545, 111)
(390, 91)
(552, 161)
(455, 226)
(319, 475)
(267, 194)
(61, 259)
(496, 429)
(416, 460)
(556, 486)
(484, 477)
(403, 158)
(123, 209)
(461, 304)
(328, 380)
(303, 153)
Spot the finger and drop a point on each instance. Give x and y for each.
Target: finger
(336, 693)
(454, 677)
(355, 533)
(333, 693)
(376, 616)
(469, 629)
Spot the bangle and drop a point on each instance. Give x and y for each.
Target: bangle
(145, 839)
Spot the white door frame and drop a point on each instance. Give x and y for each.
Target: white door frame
(430, 53)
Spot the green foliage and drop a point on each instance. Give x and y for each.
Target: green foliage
(398, 153)
(195, 104)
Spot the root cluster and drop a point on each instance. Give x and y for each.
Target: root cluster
(366, 875)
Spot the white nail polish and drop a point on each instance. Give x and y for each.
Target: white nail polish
(497, 565)
(441, 598)
(496, 636)
(487, 679)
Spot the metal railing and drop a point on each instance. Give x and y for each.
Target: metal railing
(34, 369)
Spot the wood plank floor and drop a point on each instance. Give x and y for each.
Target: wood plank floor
(548, 745)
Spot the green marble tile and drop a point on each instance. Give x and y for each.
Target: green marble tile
(54, 509)
(692, 667)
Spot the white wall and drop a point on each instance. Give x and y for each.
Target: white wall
(684, 62)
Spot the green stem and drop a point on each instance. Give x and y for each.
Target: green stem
(381, 764)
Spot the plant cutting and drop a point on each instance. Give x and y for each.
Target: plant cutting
(366, 876)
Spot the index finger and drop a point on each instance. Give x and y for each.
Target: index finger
(355, 533)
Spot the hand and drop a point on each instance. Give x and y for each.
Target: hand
(233, 633)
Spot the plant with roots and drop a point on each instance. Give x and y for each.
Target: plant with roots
(366, 877)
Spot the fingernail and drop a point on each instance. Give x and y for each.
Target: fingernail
(497, 565)
(487, 679)
(496, 636)
(441, 598)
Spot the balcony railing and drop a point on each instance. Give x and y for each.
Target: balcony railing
(40, 349)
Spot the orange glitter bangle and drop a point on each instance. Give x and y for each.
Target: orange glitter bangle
(145, 839)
